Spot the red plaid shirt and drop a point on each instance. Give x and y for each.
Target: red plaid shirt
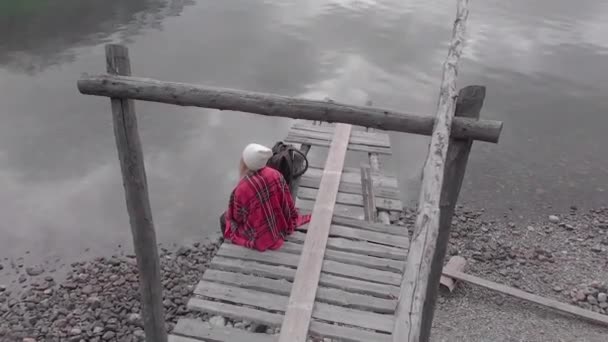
(261, 212)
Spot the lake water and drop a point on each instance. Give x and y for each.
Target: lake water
(544, 64)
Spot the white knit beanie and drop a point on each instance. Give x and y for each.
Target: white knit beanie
(256, 156)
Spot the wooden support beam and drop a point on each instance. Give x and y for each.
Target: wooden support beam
(424, 263)
(184, 94)
(369, 201)
(302, 298)
(138, 203)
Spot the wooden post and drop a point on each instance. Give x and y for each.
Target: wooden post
(138, 204)
(413, 315)
(369, 199)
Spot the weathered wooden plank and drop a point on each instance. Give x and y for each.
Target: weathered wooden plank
(324, 143)
(587, 315)
(412, 320)
(184, 94)
(283, 287)
(203, 331)
(366, 235)
(378, 227)
(394, 266)
(317, 328)
(354, 139)
(273, 302)
(292, 260)
(288, 273)
(133, 171)
(379, 179)
(378, 136)
(350, 188)
(361, 247)
(353, 199)
(349, 211)
(368, 197)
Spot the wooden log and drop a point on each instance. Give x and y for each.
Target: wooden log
(275, 105)
(369, 200)
(138, 203)
(300, 307)
(413, 316)
(581, 313)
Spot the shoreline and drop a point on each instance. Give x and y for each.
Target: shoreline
(563, 257)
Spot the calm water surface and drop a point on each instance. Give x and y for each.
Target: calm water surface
(545, 64)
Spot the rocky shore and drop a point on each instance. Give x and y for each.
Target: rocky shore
(99, 299)
(562, 256)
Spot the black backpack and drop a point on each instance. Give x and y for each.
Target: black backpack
(288, 160)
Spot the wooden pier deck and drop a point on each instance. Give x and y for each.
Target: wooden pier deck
(361, 270)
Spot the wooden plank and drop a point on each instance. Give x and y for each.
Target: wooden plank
(184, 94)
(354, 139)
(133, 172)
(353, 199)
(324, 143)
(349, 211)
(378, 136)
(350, 188)
(283, 287)
(368, 197)
(390, 265)
(546, 302)
(292, 260)
(327, 280)
(361, 247)
(412, 320)
(379, 179)
(273, 302)
(203, 331)
(272, 319)
(366, 235)
(378, 227)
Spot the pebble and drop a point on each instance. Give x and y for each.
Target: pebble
(34, 271)
(592, 300)
(139, 334)
(596, 248)
(602, 297)
(22, 279)
(97, 330)
(218, 321)
(75, 331)
(108, 335)
(558, 288)
(553, 219)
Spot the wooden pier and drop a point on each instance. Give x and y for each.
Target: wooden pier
(361, 267)
(349, 274)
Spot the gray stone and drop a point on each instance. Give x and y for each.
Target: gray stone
(87, 289)
(602, 297)
(2, 288)
(553, 219)
(134, 318)
(108, 335)
(218, 321)
(592, 300)
(34, 271)
(596, 248)
(22, 279)
(28, 339)
(603, 305)
(139, 334)
(75, 331)
(97, 330)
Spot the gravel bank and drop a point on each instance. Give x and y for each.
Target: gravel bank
(99, 299)
(561, 256)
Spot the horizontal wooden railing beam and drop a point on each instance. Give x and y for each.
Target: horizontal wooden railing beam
(184, 94)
